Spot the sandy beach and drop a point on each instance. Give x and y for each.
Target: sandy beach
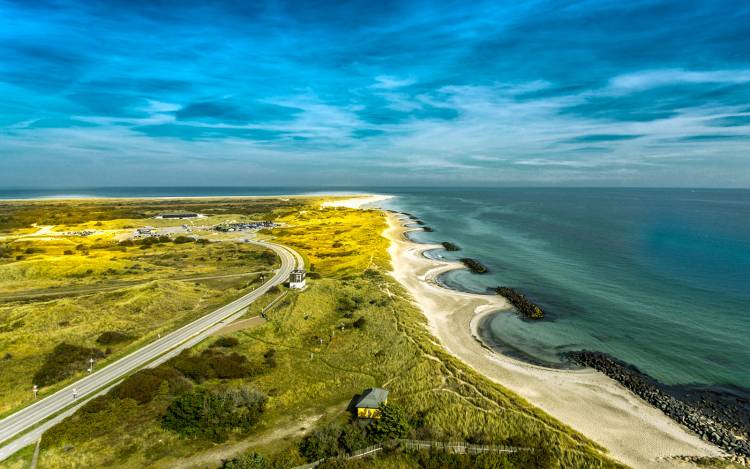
(356, 202)
(634, 432)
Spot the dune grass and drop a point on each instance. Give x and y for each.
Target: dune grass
(60, 288)
(321, 361)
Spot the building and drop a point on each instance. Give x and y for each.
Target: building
(368, 406)
(145, 231)
(178, 216)
(297, 279)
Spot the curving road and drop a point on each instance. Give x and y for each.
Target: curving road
(148, 355)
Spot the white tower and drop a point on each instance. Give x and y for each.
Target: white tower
(297, 279)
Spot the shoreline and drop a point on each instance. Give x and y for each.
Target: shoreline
(603, 410)
(73, 197)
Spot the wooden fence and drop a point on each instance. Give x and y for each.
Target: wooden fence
(448, 446)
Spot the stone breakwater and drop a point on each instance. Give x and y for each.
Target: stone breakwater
(717, 427)
(522, 304)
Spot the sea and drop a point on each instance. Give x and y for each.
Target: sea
(657, 278)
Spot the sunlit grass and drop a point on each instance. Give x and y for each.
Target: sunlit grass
(322, 361)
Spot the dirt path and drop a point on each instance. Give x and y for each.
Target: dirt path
(294, 428)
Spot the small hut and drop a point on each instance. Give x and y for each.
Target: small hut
(368, 406)
(297, 279)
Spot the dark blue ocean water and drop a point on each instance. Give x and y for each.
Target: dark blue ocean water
(659, 278)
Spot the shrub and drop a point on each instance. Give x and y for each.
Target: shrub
(322, 443)
(250, 460)
(96, 404)
(68, 252)
(145, 384)
(183, 240)
(359, 323)
(63, 362)
(212, 414)
(112, 337)
(229, 366)
(268, 257)
(225, 342)
(269, 358)
(391, 424)
(212, 364)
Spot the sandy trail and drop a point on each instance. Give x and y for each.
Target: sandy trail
(634, 432)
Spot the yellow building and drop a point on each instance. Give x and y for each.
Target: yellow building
(368, 405)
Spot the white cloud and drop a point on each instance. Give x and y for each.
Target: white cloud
(654, 78)
(389, 82)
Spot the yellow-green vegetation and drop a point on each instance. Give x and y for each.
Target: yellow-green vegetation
(354, 327)
(61, 288)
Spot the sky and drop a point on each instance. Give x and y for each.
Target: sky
(381, 93)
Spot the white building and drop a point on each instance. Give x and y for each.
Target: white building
(297, 279)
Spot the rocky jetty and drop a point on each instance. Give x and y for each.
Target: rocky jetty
(474, 265)
(450, 246)
(717, 427)
(523, 305)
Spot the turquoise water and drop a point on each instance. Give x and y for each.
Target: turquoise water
(657, 278)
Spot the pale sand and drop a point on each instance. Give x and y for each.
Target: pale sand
(634, 432)
(356, 202)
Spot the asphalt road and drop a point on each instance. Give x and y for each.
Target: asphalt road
(148, 355)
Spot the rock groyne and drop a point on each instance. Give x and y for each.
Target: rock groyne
(717, 427)
(523, 305)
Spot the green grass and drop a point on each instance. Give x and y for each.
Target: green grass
(100, 285)
(322, 362)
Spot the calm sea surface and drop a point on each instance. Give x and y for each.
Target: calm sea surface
(657, 278)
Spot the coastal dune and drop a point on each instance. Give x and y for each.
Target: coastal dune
(633, 431)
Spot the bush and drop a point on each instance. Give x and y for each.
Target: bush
(183, 240)
(112, 337)
(96, 404)
(391, 424)
(212, 364)
(322, 443)
(250, 460)
(213, 414)
(269, 358)
(68, 252)
(226, 342)
(145, 384)
(63, 362)
(359, 323)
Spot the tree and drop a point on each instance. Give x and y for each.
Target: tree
(391, 424)
(322, 443)
(212, 414)
(250, 460)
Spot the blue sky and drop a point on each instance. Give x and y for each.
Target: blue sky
(620, 93)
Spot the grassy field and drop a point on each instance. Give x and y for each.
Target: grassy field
(352, 328)
(57, 287)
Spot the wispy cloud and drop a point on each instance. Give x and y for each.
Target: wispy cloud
(650, 92)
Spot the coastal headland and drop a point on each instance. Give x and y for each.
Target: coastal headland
(633, 431)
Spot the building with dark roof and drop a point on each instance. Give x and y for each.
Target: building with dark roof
(368, 406)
